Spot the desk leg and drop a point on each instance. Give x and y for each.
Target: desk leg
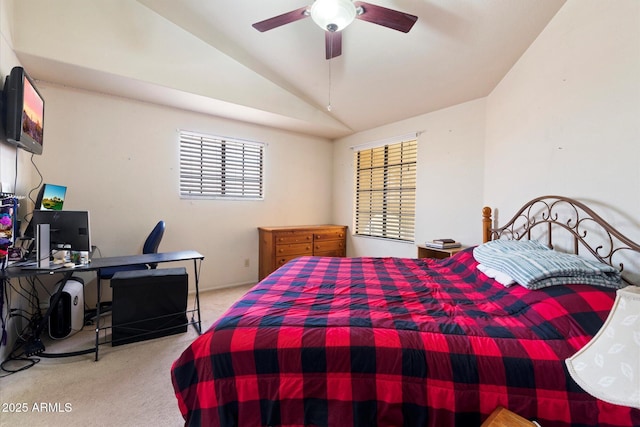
(98, 290)
(197, 279)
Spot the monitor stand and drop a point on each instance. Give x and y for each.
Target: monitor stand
(43, 247)
(43, 250)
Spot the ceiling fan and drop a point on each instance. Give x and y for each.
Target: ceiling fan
(334, 15)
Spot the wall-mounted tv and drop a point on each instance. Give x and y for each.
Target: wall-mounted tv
(23, 111)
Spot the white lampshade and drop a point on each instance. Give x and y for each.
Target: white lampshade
(333, 15)
(608, 367)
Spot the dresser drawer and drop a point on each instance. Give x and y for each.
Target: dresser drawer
(328, 235)
(328, 245)
(294, 248)
(334, 252)
(293, 237)
(282, 260)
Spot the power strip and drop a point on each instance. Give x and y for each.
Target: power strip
(33, 347)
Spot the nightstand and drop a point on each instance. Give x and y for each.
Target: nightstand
(502, 417)
(425, 252)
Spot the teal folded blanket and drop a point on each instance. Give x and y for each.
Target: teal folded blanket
(534, 266)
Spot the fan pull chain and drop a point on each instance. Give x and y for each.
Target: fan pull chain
(329, 104)
(330, 60)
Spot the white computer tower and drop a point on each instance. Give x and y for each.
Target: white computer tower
(67, 316)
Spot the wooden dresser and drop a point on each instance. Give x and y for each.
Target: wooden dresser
(279, 245)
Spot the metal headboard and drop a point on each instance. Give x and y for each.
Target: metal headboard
(542, 216)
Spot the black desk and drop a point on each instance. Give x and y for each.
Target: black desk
(97, 264)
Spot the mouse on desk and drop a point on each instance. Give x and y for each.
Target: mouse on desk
(69, 265)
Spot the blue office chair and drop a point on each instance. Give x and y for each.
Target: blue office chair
(150, 247)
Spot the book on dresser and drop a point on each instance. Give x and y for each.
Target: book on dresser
(443, 244)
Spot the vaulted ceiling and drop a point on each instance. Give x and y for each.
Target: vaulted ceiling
(205, 56)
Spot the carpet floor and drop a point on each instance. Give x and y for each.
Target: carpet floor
(130, 385)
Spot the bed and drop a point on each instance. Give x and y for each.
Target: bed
(410, 342)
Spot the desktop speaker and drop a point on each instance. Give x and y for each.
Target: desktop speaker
(148, 304)
(67, 316)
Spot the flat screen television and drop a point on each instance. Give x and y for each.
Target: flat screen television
(68, 229)
(23, 111)
(51, 197)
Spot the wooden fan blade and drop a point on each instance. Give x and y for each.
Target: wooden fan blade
(333, 42)
(285, 18)
(386, 17)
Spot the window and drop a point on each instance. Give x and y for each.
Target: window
(213, 167)
(385, 191)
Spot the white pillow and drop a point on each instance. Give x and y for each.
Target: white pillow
(500, 277)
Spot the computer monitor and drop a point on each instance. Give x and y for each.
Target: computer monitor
(68, 229)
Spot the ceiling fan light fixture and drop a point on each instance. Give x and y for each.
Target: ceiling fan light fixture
(333, 15)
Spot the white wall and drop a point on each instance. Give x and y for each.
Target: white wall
(120, 160)
(566, 118)
(12, 161)
(117, 40)
(14, 171)
(449, 178)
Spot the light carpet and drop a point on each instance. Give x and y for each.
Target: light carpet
(130, 385)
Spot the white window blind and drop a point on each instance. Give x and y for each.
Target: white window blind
(213, 167)
(385, 191)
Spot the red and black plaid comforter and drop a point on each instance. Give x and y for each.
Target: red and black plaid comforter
(393, 342)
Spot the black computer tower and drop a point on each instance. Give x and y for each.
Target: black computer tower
(148, 304)
(67, 315)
